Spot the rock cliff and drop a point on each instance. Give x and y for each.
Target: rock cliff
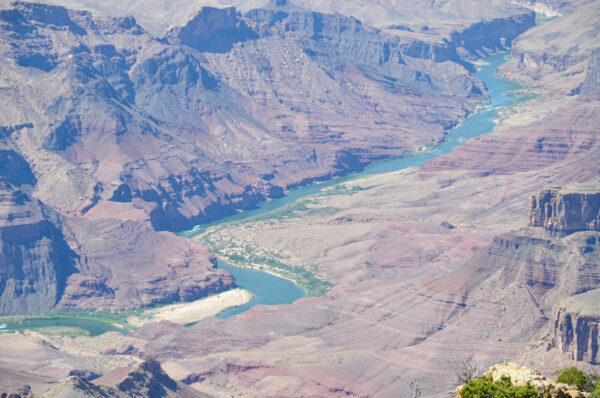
(529, 272)
(487, 37)
(554, 55)
(575, 329)
(567, 210)
(147, 379)
(35, 260)
(214, 30)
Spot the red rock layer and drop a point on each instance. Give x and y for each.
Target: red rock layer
(566, 135)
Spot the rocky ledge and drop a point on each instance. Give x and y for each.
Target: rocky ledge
(567, 210)
(521, 376)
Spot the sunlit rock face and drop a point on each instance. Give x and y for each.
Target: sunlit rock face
(567, 210)
(576, 321)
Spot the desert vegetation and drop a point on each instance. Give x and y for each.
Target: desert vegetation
(584, 381)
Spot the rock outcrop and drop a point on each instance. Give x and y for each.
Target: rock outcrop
(214, 30)
(534, 268)
(521, 376)
(146, 379)
(567, 210)
(575, 329)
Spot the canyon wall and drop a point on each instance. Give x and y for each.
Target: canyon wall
(554, 55)
(575, 330)
(109, 133)
(567, 210)
(35, 260)
(220, 116)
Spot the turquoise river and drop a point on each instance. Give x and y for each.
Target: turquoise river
(271, 290)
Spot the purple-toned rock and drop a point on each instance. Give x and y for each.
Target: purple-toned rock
(567, 210)
(35, 260)
(576, 323)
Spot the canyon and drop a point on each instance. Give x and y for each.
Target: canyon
(124, 134)
(119, 133)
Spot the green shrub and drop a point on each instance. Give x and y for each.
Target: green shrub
(485, 387)
(583, 381)
(596, 393)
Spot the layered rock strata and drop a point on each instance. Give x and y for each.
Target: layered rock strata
(187, 132)
(35, 260)
(546, 56)
(125, 264)
(575, 330)
(561, 141)
(567, 210)
(115, 130)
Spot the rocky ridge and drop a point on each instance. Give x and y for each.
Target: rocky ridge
(126, 265)
(146, 379)
(204, 152)
(424, 20)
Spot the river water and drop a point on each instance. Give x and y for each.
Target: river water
(267, 289)
(92, 327)
(482, 122)
(272, 290)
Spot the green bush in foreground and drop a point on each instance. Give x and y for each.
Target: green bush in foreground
(586, 382)
(485, 387)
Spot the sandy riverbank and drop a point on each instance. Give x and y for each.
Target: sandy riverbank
(184, 313)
